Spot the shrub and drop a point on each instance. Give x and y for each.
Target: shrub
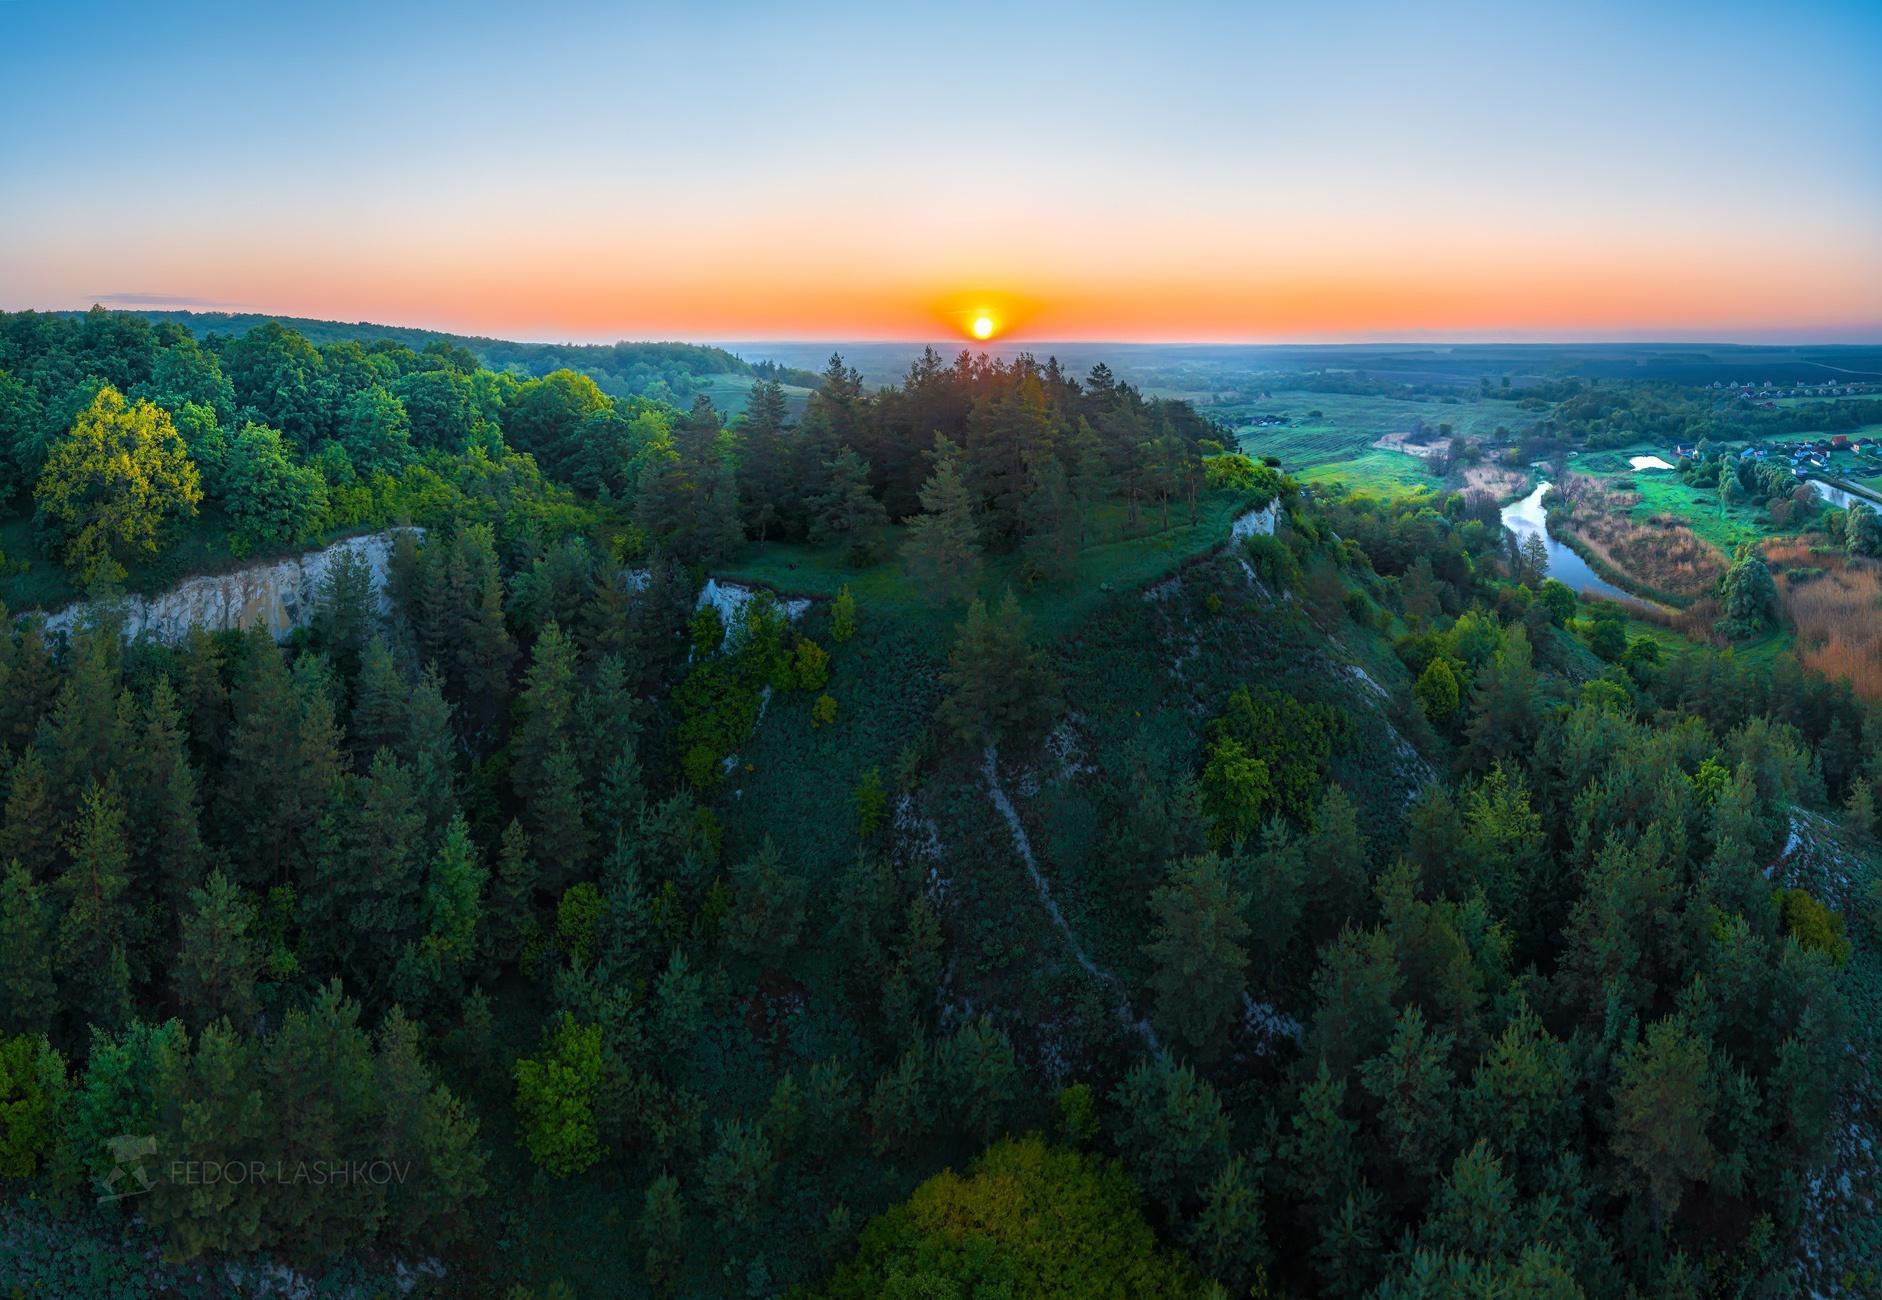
(1814, 926)
(1028, 1220)
(823, 712)
(843, 616)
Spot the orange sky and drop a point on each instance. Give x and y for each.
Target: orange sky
(1235, 172)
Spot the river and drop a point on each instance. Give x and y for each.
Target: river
(1526, 516)
(1837, 497)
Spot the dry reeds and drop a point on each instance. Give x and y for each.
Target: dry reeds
(1663, 553)
(1834, 602)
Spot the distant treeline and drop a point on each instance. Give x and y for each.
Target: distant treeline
(668, 371)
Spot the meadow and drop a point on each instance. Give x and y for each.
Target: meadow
(1331, 437)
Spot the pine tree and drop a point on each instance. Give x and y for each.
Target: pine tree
(1662, 1108)
(381, 713)
(345, 611)
(432, 1132)
(1859, 814)
(765, 485)
(219, 959)
(210, 1106)
(161, 794)
(513, 895)
(78, 740)
(1049, 515)
(663, 1231)
(1198, 954)
(29, 828)
(1091, 482)
(943, 545)
(89, 953)
(998, 683)
(28, 997)
(453, 894)
(845, 509)
(545, 710)
(843, 615)
(1173, 1133)
(284, 765)
(558, 821)
(767, 905)
(363, 897)
(429, 747)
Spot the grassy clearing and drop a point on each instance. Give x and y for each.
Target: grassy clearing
(1330, 437)
(1111, 562)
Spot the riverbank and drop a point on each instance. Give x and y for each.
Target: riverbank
(1631, 588)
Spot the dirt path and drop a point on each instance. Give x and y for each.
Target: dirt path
(990, 768)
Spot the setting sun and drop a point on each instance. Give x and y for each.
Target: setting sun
(983, 326)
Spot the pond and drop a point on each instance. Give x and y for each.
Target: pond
(1526, 516)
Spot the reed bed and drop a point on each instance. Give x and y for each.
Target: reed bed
(1661, 553)
(1834, 601)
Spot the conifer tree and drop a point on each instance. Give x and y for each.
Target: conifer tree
(768, 905)
(845, 509)
(943, 545)
(29, 826)
(90, 955)
(998, 683)
(380, 718)
(27, 993)
(161, 794)
(1198, 953)
(219, 958)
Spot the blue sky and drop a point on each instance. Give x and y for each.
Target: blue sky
(1155, 171)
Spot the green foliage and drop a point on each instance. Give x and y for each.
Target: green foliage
(1813, 925)
(998, 683)
(1235, 791)
(33, 1096)
(1436, 690)
(1027, 1219)
(113, 484)
(1293, 738)
(1198, 951)
(843, 616)
(1747, 596)
(555, 1099)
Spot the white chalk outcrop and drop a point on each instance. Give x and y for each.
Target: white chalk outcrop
(278, 596)
(1255, 522)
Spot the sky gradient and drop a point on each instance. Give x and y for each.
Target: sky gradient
(1181, 172)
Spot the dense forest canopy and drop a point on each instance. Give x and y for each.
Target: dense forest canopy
(1019, 883)
(673, 371)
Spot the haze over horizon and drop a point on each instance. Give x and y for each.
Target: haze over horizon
(1556, 172)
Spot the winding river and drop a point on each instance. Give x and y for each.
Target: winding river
(1526, 516)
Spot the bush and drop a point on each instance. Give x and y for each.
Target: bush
(1814, 926)
(823, 712)
(1028, 1220)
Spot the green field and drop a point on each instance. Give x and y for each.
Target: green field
(1330, 436)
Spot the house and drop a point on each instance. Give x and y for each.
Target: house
(1840, 442)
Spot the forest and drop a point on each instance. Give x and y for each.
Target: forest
(985, 835)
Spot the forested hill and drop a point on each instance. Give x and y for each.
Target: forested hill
(666, 370)
(1073, 895)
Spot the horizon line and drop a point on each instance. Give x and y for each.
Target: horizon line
(1865, 335)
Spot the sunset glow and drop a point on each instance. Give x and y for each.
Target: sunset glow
(982, 327)
(1437, 189)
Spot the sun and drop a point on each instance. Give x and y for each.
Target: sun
(982, 326)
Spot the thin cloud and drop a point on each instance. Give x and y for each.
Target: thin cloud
(159, 300)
